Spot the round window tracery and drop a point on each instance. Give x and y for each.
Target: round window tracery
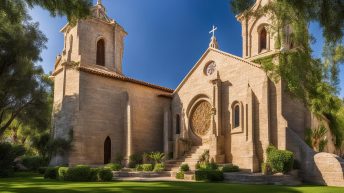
(201, 118)
(210, 68)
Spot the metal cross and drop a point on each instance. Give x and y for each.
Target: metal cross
(213, 31)
(99, 2)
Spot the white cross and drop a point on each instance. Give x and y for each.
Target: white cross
(213, 31)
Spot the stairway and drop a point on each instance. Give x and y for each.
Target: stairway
(191, 158)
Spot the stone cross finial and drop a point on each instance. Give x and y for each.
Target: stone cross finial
(99, 2)
(213, 31)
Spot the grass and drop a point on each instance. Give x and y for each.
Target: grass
(33, 183)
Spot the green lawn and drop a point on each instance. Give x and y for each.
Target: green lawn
(29, 183)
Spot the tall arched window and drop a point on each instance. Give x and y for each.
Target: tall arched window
(262, 39)
(236, 116)
(107, 150)
(177, 124)
(100, 52)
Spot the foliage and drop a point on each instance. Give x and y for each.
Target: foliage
(147, 158)
(51, 173)
(266, 170)
(62, 173)
(316, 138)
(114, 166)
(105, 174)
(279, 160)
(94, 176)
(204, 158)
(184, 168)
(119, 158)
(8, 153)
(41, 170)
(230, 168)
(79, 173)
(159, 167)
(209, 175)
(134, 160)
(33, 163)
(147, 167)
(336, 123)
(313, 81)
(180, 175)
(157, 157)
(139, 167)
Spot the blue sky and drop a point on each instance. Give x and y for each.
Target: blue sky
(165, 37)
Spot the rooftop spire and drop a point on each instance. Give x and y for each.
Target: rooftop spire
(213, 42)
(99, 2)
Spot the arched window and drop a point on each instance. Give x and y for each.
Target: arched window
(107, 150)
(236, 116)
(100, 52)
(177, 124)
(262, 39)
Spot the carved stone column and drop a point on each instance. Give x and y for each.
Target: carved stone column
(166, 128)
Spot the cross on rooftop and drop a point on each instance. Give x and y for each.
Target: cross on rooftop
(213, 31)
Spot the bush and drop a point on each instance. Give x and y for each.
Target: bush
(134, 160)
(208, 166)
(147, 167)
(41, 170)
(139, 167)
(119, 158)
(104, 174)
(62, 173)
(184, 168)
(209, 175)
(94, 177)
(180, 175)
(230, 168)
(32, 163)
(197, 166)
(114, 166)
(279, 160)
(79, 173)
(266, 169)
(8, 153)
(157, 157)
(51, 173)
(159, 168)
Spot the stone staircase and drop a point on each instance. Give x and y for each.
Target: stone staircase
(191, 158)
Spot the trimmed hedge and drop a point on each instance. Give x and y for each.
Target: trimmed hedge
(62, 173)
(134, 160)
(104, 174)
(180, 175)
(114, 166)
(8, 153)
(280, 161)
(51, 172)
(79, 173)
(209, 175)
(94, 174)
(41, 170)
(184, 168)
(230, 168)
(33, 163)
(147, 167)
(139, 167)
(159, 168)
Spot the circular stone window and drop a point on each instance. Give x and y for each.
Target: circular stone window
(210, 68)
(201, 118)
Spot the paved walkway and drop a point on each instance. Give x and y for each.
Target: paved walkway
(155, 179)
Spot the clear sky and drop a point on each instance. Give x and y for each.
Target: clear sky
(165, 37)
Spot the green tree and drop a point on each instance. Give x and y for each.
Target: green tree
(24, 89)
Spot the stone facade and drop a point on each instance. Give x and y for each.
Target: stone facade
(226, 104)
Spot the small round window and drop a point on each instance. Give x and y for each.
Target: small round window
(210, 68)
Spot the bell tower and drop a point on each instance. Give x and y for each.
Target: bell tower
(96, 41)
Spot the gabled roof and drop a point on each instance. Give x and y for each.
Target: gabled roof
(204, 55)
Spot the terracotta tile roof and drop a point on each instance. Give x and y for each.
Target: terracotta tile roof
(117, 76)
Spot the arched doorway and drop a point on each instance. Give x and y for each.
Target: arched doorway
(107, 150)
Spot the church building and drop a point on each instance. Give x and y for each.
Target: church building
(226, 104)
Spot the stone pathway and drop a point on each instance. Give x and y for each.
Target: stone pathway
(155, 179)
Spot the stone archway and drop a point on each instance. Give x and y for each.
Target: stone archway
(200, 119)
(107, 150)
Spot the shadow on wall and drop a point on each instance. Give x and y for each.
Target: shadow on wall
(318, 168)
(64, 114)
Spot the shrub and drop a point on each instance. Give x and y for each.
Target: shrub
(79, 173)
(114, 166)
(204, 158)
(157, 157)
(230, 168)
(184, 168)
(147, 167)
(159, 168)
(8, 153)
(139, 167)
(134, 160)
(94, 177)
(279, 160)
(209, 175)
(180, 175)
(208, 166)
(51, 173)
(62, 173)
(266, 169)
(32, 163)
(197, 166)
(105, 174)
(146, 158)
(119, 159)
(41, 170)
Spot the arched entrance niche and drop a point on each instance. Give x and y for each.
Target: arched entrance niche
(107, 150)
